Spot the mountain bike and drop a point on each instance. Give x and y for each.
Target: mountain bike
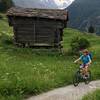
(79, 77)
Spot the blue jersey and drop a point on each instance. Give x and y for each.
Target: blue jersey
(85, 59)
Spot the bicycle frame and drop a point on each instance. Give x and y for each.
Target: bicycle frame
(80, 75)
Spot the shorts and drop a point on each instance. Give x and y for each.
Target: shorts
(83, 65)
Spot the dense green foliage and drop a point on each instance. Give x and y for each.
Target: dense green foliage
(92, 96)
(77, 44)
(27, 71)
(5, 4)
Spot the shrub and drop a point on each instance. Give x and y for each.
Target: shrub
(78, 44)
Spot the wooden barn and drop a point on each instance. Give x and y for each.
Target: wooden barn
(37, 27)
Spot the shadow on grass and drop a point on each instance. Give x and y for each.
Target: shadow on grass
(5, 40)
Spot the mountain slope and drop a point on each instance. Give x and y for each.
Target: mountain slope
(84, 13)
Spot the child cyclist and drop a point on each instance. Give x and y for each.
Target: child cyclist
(86, 61)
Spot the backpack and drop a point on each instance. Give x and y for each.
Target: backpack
(91, 56)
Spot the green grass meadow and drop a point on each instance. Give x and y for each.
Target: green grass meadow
(27, 71)
(92, 96)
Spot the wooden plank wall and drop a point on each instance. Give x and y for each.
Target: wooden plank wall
(31, 30)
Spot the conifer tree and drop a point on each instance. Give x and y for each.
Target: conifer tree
(91, 29)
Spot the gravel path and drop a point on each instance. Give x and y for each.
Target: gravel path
(68, 92)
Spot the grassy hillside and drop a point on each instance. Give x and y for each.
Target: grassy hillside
(25, 71)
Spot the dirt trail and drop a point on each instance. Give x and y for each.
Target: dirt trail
(68, 92)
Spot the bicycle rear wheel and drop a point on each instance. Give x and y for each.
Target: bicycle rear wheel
(89, 78)
(76, 78)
